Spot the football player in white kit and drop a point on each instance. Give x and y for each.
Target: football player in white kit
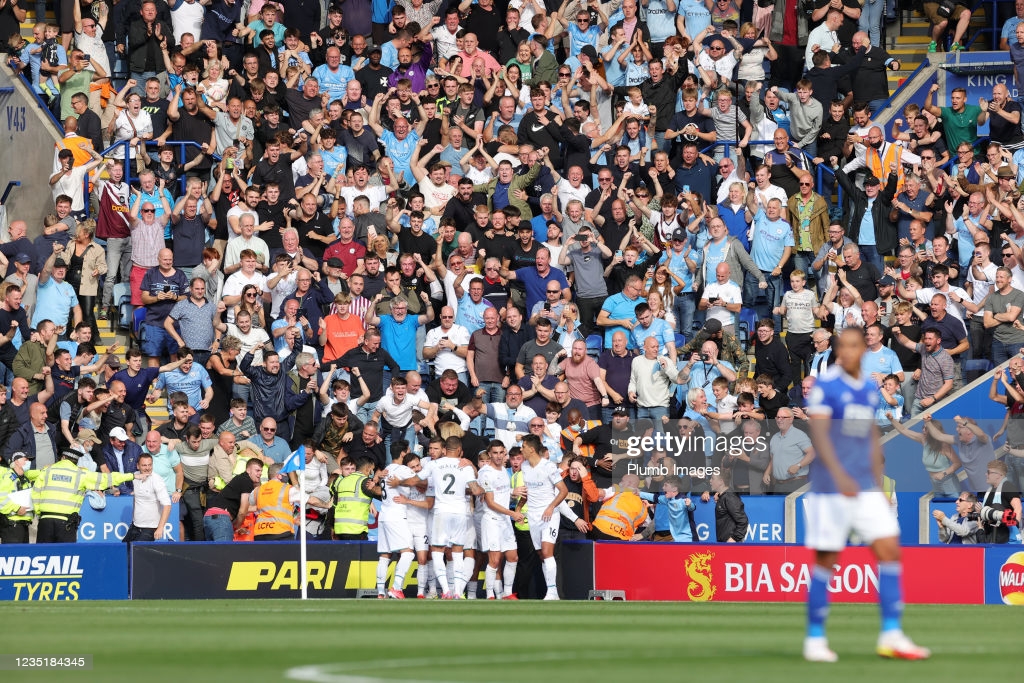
(545, 490)
(497, 537)
(394, 535)
(417, 515)
(450, 478)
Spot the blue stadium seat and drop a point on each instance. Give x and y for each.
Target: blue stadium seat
(595, 344)
(680, 342)
(975, 368)
(746, 325)
(122, 299)
(137, 329)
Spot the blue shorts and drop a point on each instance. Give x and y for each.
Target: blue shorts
(157, 341)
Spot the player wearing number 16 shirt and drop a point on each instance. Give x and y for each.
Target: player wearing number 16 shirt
(450, 478)
(545, 491)
(846, 496)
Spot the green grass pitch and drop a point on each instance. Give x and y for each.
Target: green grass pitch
(349, 641)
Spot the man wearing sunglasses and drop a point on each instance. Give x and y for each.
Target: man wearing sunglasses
(963, 528)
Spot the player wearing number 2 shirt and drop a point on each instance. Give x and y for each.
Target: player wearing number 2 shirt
(545, 490)
(846, 479)
(451, 479)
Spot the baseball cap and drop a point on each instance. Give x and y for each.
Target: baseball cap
(679, 235)
(22, 257)
(96, 500)
(87, 435)
(713, 326)
(60, 263)
(871, 180)
(886, 281)
(113, 362)
(119, 433)
(370, 49)
(620, 410)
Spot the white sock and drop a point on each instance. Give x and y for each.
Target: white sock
(491, 573)
(551, 574)
(470, 573)
(459, 576)
(382, 574)
(424, 575)
(498, 590)
(450, 572)
(439, 570)
(404, 562)
(508, 576)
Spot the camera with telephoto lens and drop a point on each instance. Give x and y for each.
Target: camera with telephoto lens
(997, 516)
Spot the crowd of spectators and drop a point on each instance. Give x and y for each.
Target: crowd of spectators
(384, 218)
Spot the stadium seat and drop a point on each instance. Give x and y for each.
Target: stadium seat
(680, 342)
(137, 328)
(595, 344)
(973, 369)
(746, 325)
(122, 298)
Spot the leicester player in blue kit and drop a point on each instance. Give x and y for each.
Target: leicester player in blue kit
(846, 497)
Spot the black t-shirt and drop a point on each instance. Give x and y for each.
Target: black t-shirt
(770, 406)
(275, 214)
(1003, 131)
(863, 280)
(230, 498)
(190, 127)
(158, 113)
(299, 106)
(461, 396)
(422, 244)
(168, 431)
(374, 82)
(319, 224)
(280, 173)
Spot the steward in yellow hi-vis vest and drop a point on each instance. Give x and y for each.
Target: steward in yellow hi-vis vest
(352, 499)
(15, 517)
(58, 494)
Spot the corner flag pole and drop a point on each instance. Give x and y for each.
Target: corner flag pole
(302, 533)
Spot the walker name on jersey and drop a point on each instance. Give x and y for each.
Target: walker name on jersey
(43, 577)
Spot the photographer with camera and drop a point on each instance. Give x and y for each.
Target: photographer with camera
(1000, 506)
(965, 528)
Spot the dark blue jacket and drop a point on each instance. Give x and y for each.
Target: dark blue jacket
(24, 440)
(132, 451)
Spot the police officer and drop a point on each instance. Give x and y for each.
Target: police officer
(58, 494)
(14, 518)
(352, 496)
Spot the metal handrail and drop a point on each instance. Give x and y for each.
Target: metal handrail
(7, 191)
(130, 177)
(39, 101)
(820, 169)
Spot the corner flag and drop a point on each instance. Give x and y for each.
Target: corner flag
(296, 462)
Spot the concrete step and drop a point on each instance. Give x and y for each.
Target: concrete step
(157, 413)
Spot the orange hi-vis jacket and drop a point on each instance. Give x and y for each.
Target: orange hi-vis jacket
(621, 515)
(878, 164)
(274, 511)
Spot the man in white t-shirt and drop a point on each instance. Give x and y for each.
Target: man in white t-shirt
(246, 275)
(151, 504)
(395, 414)
(361, 186)
(545, 491)
(722, 299)
(448, 346)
